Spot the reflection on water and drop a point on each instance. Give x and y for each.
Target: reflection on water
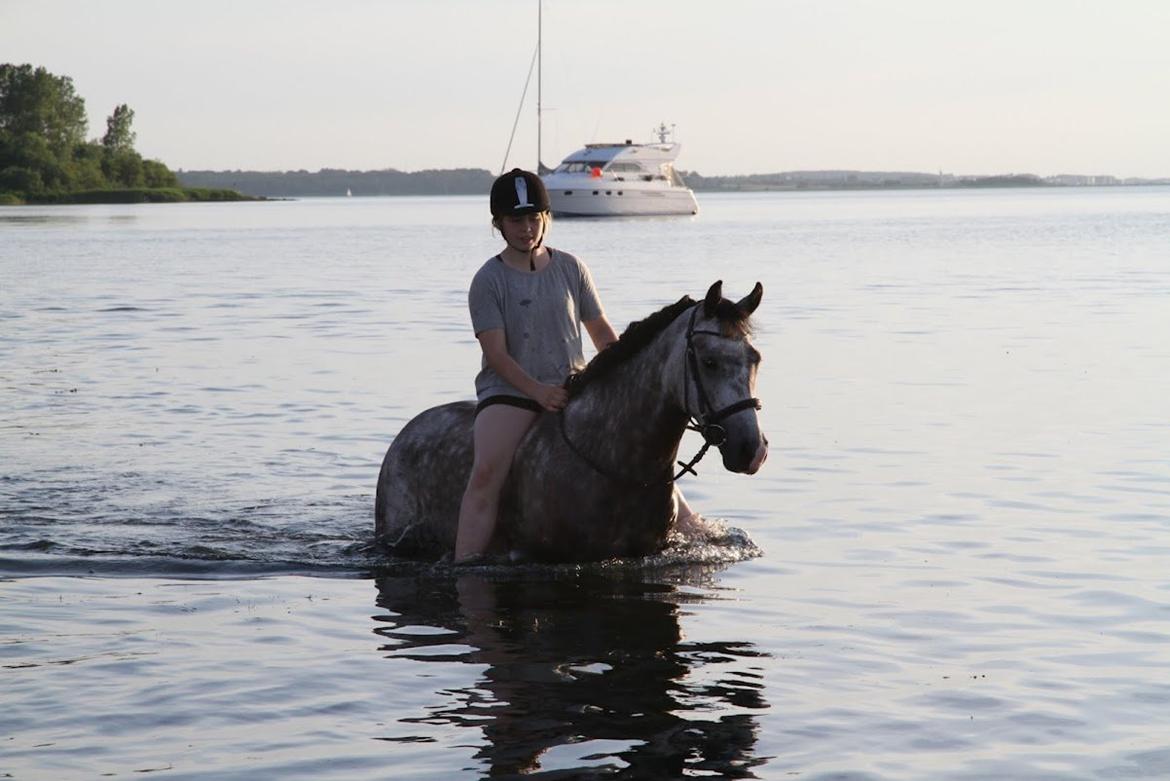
(59, 217)
(15, 218)
(583, 677)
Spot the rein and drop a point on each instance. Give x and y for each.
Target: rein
(706, 423)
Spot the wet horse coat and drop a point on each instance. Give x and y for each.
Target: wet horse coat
(594, 481)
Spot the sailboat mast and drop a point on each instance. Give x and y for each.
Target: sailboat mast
(539, 32)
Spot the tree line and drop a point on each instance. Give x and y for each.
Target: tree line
(45, 156)
(336, 181)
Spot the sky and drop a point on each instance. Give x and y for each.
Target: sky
(750, 86)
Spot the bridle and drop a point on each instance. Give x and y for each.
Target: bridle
(706, 422)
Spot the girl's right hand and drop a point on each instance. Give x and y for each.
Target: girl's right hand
(552, 397)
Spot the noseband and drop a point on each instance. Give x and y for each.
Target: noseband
(706, 423)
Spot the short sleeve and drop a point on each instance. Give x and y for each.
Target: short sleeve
(485, 302)
(589, 303)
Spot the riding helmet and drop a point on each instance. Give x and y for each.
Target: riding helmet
(518, 192)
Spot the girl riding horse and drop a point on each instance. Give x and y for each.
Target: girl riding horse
(527, 304)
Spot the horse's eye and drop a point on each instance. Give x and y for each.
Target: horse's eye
(709, 363)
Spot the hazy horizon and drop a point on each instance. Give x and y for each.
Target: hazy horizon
(753, 87)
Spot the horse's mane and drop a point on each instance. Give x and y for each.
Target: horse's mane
(637, 335)
(640, 333)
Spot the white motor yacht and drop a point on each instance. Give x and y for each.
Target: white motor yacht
(620, 180)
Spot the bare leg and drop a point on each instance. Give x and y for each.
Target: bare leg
(689, 523)
(685, 513)
(497, 432)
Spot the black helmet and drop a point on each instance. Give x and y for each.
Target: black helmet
(518, 192)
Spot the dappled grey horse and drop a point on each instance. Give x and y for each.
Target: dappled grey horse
(596, 480)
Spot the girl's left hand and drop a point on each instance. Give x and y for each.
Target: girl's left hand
(552, 397)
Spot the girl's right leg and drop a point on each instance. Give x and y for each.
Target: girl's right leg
(497, 432)
(689, 523)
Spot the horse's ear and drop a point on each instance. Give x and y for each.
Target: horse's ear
(748, 303)
(714, 296)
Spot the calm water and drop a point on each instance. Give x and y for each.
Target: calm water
(965, 519)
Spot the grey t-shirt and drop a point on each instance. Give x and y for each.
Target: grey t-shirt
(541, 313)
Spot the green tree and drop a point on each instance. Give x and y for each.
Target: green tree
(123, 169)
(19, 179)
(119, 137)
(37, 102)
(32, 153)
(155, 174)
(86, 170)
(43, 151)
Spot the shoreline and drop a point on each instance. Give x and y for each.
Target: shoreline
(216, 195)
(133, 195)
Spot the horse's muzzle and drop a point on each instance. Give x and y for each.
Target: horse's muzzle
(760, 457)
(743, 457)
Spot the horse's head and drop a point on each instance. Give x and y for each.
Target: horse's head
(720, 378)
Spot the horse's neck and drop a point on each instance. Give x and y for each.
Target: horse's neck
(636, 410)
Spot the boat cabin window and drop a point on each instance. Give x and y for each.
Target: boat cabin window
(624, 168)
(577, 167)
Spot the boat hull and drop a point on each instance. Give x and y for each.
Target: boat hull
(617, 199)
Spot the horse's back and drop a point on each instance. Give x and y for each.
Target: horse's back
(420, 486)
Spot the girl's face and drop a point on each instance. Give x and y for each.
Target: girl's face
(522, 232)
